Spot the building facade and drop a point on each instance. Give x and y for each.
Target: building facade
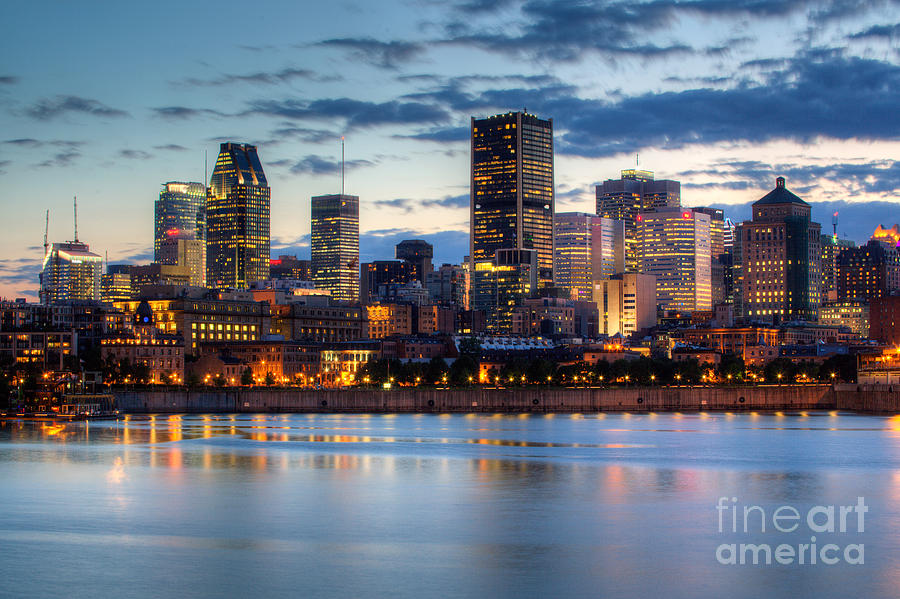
(335, 245)
(512, 192)
(626, 303)
(237, 215)
(179, 213)
(70, 271)
(589, 248)
(867, 272)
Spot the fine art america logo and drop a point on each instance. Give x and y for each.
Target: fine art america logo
(788, 535)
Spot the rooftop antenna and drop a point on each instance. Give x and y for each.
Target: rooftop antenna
(75, 210)
(107, 261)
(205, 167)
(637, 160)
(46, 230)
(342, 165)
(834, 219)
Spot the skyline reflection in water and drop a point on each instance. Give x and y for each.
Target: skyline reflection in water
(431, 505)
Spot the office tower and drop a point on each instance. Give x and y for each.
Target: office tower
(626, 303)
(237, 219)
(418, 254)
(70, 271)
(502, 284)
(589, 248)
(512, 198)
(889, 239)
(675, 248)
(289, 267)
(189, 254)
(867, 272)
(779, 259)
(624, 199)
(375, 278)
(180, 213)
(449, 284)
(335, 245)
(831, 248)
(116, 287)
(718, 260)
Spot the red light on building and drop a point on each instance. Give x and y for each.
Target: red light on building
(173, 232)
(273, 262)
(685, 215)
(639, 218)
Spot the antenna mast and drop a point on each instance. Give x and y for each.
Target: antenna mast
(342, 165)
(46, 231)
(205, 167)
(75, 210)
(834, 221)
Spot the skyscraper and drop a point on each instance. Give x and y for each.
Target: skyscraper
(675, 248)
(778, 253)
(589, 248)
(237, 216)
(418, 254)
(180, 213)
(335, 245)
(70, 271)
(624, 199)
(502, 284)
(512, 198)
(718, 260)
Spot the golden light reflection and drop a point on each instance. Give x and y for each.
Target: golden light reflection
(117, 474)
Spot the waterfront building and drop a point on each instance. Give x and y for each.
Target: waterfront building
(626, 303)
(852, 314)
(48, 349)
(335, 245)
(70, 271)
(867, 272)
(237, 213)
(589, 248)
(884, 319)
(144, 344)
(316, 320)
(780, 259)
(512, 192)
(179, 213)
(340, 362)
(675, 249)
(634, 193)
(285, 361)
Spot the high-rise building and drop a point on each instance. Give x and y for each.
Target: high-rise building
(180, 213)
(237, 217)
(624, 199)
(290, 267)
(718, 261)
(675, 248)
(589, 248)
(335, 245)
(502, 284)
(779, 259)
(449, 284)
(189, 254)
(70, 271)
(831, 247)
(375, 277)
(418, 254)
(512, 197)
(626, 303)
(867, 272)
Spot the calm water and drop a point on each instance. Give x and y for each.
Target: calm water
(437, 506)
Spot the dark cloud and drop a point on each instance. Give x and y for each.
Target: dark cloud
(440, 134)
(259, 78)
(15, 271)
(320, 165)
(63, 158)
(48, 109)
(410, 205)
(878, 31)
(8, 80)
(387, 55)
(183, 112)
(171, 148)
(356, 113)
(134, 154)
(29, 142)
(3, 165)
(303, 134)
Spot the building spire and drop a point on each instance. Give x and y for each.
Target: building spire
(75, 211)
(342, 165)
(46, 231)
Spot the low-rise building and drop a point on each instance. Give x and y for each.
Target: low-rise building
(286, 361)
(851, 314)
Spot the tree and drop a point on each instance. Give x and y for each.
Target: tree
(191, 379)
(471, 347)
(842, 365)
(247, 377)
(270, 379)
(731, 365)
(435, 370)
(462, 369)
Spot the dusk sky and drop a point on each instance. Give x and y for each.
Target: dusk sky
(108, 100)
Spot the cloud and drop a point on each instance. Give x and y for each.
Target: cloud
(319, 165)
(8, 80)
(386, 55)
(259, 78)
(134, 154)
(3, 165)
(183, 112)
(356, 113)
(171, 148)
(15, 271)
(410, 205)
(48, 109)
(30, 142)
(878, 31)
(63, 158)
(303, 134)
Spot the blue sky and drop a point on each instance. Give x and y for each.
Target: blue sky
(107, 100)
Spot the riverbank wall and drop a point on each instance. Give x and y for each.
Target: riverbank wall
(516, 400)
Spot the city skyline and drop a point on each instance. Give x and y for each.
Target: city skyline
(722, 109)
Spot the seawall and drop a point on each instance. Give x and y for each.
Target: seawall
(732, 398)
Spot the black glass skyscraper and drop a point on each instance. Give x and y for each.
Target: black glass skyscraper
(334, 244)
(512, 199)
(180, 213)
(237, 216)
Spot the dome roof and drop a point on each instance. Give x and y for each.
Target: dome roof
(780, 195)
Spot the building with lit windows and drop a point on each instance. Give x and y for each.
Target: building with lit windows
(237, 218)
(719, 259)
(831, 247)
(867, 272)
(512, 195)
(589, 248)
(417, 253)
(780, 259)
(179, 213)
(884, 319)
(502, 284)
(375, 278)
(635, 193)
(186, 254)
(851, 314)
(289, 267)
(144, 344)
(335, 245)
(675, 248)
(449, 284)
(70, 271)
(626, 303)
